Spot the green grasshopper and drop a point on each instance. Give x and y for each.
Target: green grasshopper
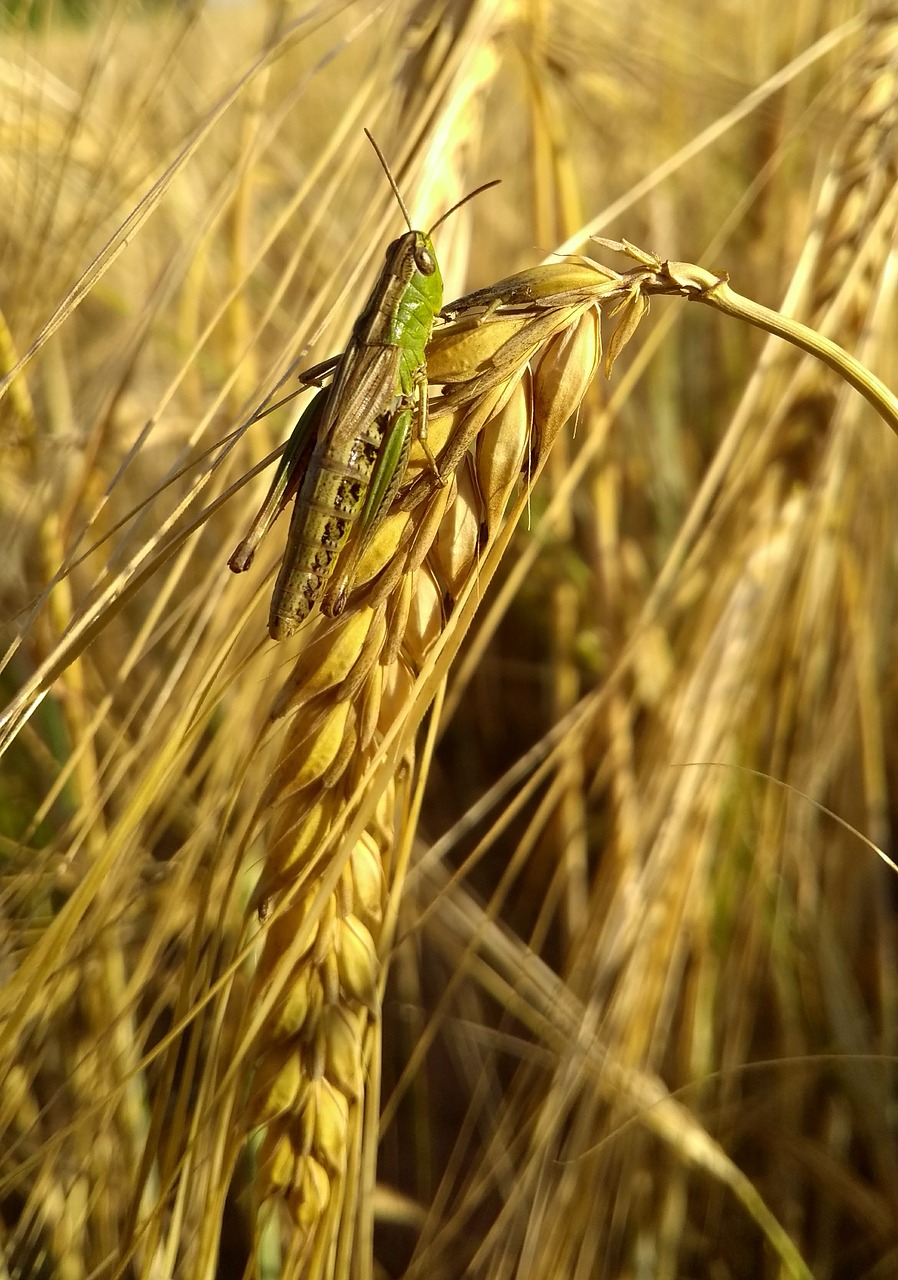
(348, 452)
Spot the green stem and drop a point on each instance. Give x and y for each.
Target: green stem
(720, 295)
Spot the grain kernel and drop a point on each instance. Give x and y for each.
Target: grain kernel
(310, 758)
(275, 1085)
(565, 371)
(310, 1194)
(302, 1003)
(342, 1046)
(460, 353)
(382, 547)
(277, 1162)
(357, 961)
(439, 428)
(458, 540)
(368, 884)
(501, 448)
(425, 619)
(326, 661)
(331, 1125)
(293, 850)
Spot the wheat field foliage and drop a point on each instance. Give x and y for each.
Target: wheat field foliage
(532, 916)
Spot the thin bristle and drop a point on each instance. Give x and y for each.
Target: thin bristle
(392, 181)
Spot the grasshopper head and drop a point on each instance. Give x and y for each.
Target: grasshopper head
(426, 276)
(423, 255)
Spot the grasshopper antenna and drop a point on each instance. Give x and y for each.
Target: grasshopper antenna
(396, 192)
(464, 200)
(386, 168)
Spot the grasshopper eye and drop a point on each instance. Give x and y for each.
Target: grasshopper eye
(424, 260)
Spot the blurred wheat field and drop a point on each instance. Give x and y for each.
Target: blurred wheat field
(544, 934)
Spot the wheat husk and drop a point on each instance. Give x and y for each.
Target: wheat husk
(421, 559)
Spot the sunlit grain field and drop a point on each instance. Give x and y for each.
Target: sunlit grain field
(531, 917)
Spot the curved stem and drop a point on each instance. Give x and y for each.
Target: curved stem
(720, 295)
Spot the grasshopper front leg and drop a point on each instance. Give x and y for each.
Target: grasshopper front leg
(421, 401)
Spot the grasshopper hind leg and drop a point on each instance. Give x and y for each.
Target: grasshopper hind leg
(385, 481)
(287, 480)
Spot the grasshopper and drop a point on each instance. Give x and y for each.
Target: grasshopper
(348, 452)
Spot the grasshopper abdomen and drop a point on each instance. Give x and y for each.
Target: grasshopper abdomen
(330, 498)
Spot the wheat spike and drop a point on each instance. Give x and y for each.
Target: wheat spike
(351, 680)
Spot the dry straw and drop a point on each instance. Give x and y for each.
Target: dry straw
(198, 924)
